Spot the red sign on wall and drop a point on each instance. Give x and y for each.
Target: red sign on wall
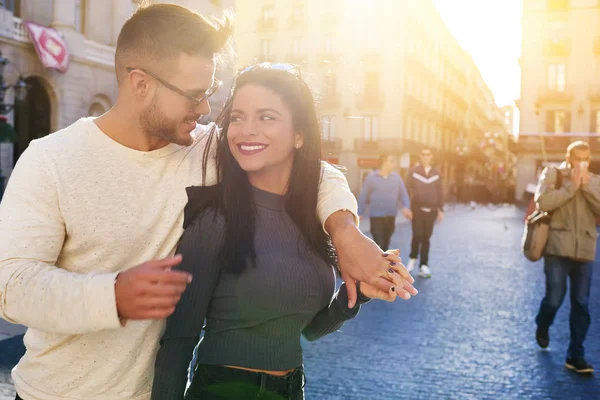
(50, 46)
(368, 162)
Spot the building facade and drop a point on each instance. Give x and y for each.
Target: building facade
(560, 84)
(388, 78)
(90, 29)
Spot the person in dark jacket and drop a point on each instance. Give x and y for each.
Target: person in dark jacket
(263, 266)
(424, 184)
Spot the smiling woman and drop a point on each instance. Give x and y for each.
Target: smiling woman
(263, 264)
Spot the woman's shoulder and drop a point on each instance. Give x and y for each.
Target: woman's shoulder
(202, 208)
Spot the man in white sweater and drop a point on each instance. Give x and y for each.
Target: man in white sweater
(93, 213)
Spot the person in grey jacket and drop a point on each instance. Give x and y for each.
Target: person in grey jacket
(571, 247)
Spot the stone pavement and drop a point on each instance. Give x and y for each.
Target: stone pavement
(469, 334)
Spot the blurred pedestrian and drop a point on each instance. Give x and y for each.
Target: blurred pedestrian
(574, 201)
(382, 193)
(424, 185)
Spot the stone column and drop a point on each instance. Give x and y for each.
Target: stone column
(64, 15)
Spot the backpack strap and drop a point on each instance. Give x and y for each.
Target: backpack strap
(559, 178)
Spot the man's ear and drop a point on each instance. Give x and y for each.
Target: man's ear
(139, 83)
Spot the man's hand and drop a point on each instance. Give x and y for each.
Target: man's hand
(585, 176)
(576, 176)
(440, 216)
(360, 259)
(407, 213)
(151, 290)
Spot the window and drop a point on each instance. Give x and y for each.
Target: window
(558, 5)
(298, 12)
(297, 47)
(80, 9)
(265, 48)
(558, 121)
(328, 126)
(557, 79)
(370, 127)
(12, 5)
(268, 15)
(329, 46)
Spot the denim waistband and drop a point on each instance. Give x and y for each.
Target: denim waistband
(283, 385)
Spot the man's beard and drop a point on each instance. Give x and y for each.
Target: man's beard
(155, 123)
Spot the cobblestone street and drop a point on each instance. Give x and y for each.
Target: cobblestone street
(469, 334)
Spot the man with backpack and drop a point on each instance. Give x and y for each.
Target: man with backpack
(572, 194)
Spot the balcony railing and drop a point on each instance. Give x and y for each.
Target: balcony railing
(556, 95)
(560, 48)
(594, 93)
(296, 22)
(553, 142)
(370, 100)
(19, 31)
(266, 25)
(99, 53)
(331, 145)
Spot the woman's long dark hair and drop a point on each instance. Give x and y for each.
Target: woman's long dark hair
(234, 198)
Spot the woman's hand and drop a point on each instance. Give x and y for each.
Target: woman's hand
(396, 267)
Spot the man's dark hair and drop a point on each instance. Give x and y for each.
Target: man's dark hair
(157, 34)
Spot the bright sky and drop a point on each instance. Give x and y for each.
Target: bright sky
(491, 31)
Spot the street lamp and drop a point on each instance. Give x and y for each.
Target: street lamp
(20, 88)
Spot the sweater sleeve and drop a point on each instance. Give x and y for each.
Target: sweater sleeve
(364, 198)
(403, 197)
(440, 193)
(199, 247)
(332, 317)
(334, 194)
(34, 291)
(409, 182)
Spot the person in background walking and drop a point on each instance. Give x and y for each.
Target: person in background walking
(382, 192)
(571, 247)
(424, 183)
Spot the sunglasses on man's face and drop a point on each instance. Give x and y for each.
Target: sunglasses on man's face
(194, 99)
(426, 154)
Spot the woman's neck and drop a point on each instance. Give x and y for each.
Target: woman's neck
(271, 180)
